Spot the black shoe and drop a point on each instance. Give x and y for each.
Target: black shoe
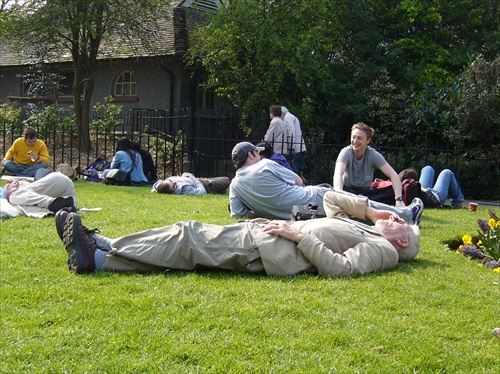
(80, 246)
(60, 202)
(61, 217)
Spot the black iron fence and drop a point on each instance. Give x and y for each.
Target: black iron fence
(200, 143)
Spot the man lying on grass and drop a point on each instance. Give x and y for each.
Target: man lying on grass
(333, 246)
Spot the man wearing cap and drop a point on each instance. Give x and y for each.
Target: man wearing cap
(263, 188)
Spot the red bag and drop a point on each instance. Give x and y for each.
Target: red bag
(379, 183)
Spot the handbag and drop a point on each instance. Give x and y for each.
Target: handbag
(306, 212)
(117, 177)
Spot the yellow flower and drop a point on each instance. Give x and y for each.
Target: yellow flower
(492, 223)
(497, 225)
(467, 239)
(496, 270)
(479, 242)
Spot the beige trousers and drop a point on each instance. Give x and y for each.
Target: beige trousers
(43, 191)
(188, 245)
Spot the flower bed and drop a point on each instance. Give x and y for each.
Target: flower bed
(484, 247)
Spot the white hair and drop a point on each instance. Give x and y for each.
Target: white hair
(410, 252)
(284, 109)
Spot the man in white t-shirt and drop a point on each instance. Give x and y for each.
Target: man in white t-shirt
(295, 141)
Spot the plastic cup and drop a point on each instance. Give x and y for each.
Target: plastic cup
(472, 207)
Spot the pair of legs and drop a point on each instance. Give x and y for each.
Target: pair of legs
(22, 170)
(411, 213)
(446, 185)
(186, 245)
(216, 185)
(43, 191)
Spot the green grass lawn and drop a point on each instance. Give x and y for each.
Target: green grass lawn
(433, 315)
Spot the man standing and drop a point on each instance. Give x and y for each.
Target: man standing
(296, 141)
(331, 247)
(26, 155)
(277, 134)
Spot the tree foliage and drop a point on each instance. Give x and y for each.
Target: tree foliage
(395, 63)
(478, 113)
(259, 52)
(51, 29)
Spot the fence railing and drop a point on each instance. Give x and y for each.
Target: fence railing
(179, 154)
(202, 144)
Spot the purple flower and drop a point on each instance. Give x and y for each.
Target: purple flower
(483, 225)
(492, 264)
(473, 252)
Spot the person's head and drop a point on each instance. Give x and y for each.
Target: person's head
(284, 111)
(30, 136)
(408, 174)
(267, 152)
(361, 136)
(125, 145)
(13, 185)
(275, 111)
(166, 186)
(135, 146)
(245, 153)
(405, 238)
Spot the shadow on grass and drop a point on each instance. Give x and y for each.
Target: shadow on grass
(215, 274)
(408, 267)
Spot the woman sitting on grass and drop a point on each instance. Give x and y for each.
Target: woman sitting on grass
(130, 161)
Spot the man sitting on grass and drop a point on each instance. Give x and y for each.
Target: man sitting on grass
(333, 246)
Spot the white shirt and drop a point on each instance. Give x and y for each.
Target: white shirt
(296, 140)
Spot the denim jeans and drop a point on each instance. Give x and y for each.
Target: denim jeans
(446, 185)
(22, 170)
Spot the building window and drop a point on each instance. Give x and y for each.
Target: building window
(206, 97)
(125, 85)
(67, 82)
(48, 83)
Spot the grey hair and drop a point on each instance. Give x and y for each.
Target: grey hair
(284, 109)
(410, 252)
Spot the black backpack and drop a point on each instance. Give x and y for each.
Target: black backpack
(91, 174)
(413, 189)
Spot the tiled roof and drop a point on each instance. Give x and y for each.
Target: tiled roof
(171, 40)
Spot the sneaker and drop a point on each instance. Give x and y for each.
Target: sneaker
(79, 245)
(60, 202)
(417, 207)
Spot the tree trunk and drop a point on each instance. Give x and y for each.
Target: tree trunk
(84, 83)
